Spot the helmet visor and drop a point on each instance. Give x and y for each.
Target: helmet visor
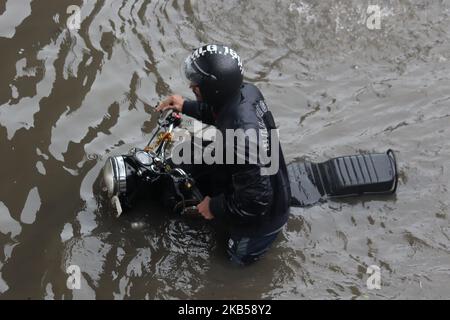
(190, 72)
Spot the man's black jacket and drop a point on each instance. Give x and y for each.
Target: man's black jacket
(253, 204)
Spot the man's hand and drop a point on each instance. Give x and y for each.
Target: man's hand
(174, 102)
(203, 209)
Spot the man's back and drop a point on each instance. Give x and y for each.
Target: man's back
(254, 203)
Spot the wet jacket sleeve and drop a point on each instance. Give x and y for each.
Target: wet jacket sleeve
(198, 110)
(250, 197)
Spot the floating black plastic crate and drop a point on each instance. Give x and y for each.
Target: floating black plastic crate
(363, 174)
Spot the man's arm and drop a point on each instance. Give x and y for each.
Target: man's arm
(198, 110)
(250, 198)
(250, 194)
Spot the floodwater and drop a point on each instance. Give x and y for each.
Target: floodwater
(71, 98)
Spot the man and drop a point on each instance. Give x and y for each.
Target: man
(252, 206)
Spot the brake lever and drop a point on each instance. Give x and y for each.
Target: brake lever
(162, 123)
(172, 119)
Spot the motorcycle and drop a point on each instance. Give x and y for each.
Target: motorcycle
(150, 169)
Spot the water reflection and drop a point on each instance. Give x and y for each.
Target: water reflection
(68, 100)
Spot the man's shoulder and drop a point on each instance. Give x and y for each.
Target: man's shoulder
(244, 114)
(251, 92)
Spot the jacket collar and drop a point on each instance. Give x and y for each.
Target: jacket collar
(226, 110)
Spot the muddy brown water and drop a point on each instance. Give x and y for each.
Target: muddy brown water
(69, 99)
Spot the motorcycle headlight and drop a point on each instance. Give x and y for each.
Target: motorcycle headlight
(115, 176)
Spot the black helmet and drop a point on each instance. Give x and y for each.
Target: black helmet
(217, 70)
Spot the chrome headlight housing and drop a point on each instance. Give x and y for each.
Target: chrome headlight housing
(115, 176)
